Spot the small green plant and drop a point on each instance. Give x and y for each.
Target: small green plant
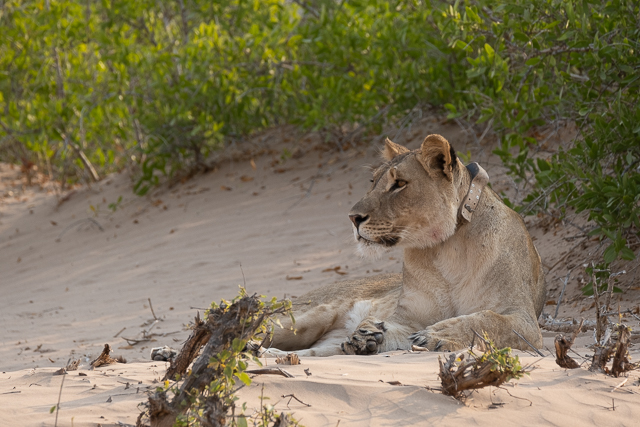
(114, 205)
(286, 155)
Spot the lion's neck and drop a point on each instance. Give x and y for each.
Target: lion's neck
(448, 262)
(453, 261)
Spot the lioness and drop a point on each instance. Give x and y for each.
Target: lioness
(469, 265)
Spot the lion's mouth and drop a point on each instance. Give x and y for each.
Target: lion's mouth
(386, 241)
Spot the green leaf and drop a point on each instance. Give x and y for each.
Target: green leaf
(228, 372)
(627, 254)
(451, 108)
(489, 50)
(242, 376)
(242, 421)
(587, 290)
(566, 35)
(520, 36)
(238, 345)
(610, 254)
(531, 62)
(53, 408)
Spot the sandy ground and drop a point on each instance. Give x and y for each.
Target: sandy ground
(76, 273)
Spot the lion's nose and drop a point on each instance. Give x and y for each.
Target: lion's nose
(357, 219)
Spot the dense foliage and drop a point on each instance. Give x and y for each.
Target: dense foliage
(92, 87)
(542, 62)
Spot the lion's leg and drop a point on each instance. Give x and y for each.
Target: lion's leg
(458, 332)
(309, 327)
(373, 336)
(328, 345)
(321, 330)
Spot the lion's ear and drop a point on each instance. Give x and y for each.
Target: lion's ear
(391, 149)
(437, 156)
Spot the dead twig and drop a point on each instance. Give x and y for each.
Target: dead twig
(104, 358)
(72, 366)
(151, 307)
(270, 371)
(620, 385)
(293, 396)
(564, 288)
(563, 345)
(134, 341)
(516, 397)
(58, 404)
(530, 345)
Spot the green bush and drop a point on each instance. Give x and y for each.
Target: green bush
(90, 88)
(163, 84)
(536, 63)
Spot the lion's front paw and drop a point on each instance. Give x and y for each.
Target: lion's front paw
(365, 340)
(436, 340)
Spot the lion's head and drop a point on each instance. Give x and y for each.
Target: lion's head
(414, 198)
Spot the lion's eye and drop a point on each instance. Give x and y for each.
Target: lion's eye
(398, 184)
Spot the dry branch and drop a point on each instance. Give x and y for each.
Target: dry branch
(566, 327)
(493, 368)
(618, 349)
(563, 345)
(621, 362)
(104, 358)
(223, 325)
(270, 371)
(72, 365)
(293, 396)
(190, 349)
(620, 385)
(605, 348)
(457, 378)
(289, 359)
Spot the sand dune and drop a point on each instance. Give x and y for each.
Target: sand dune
(78, 274)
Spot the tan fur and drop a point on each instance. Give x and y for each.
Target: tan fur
(458, 277)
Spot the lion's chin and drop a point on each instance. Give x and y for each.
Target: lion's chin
(370, 250)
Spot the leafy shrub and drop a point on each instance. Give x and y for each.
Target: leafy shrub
(542, 62)
(211, 362)
(93, 87)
